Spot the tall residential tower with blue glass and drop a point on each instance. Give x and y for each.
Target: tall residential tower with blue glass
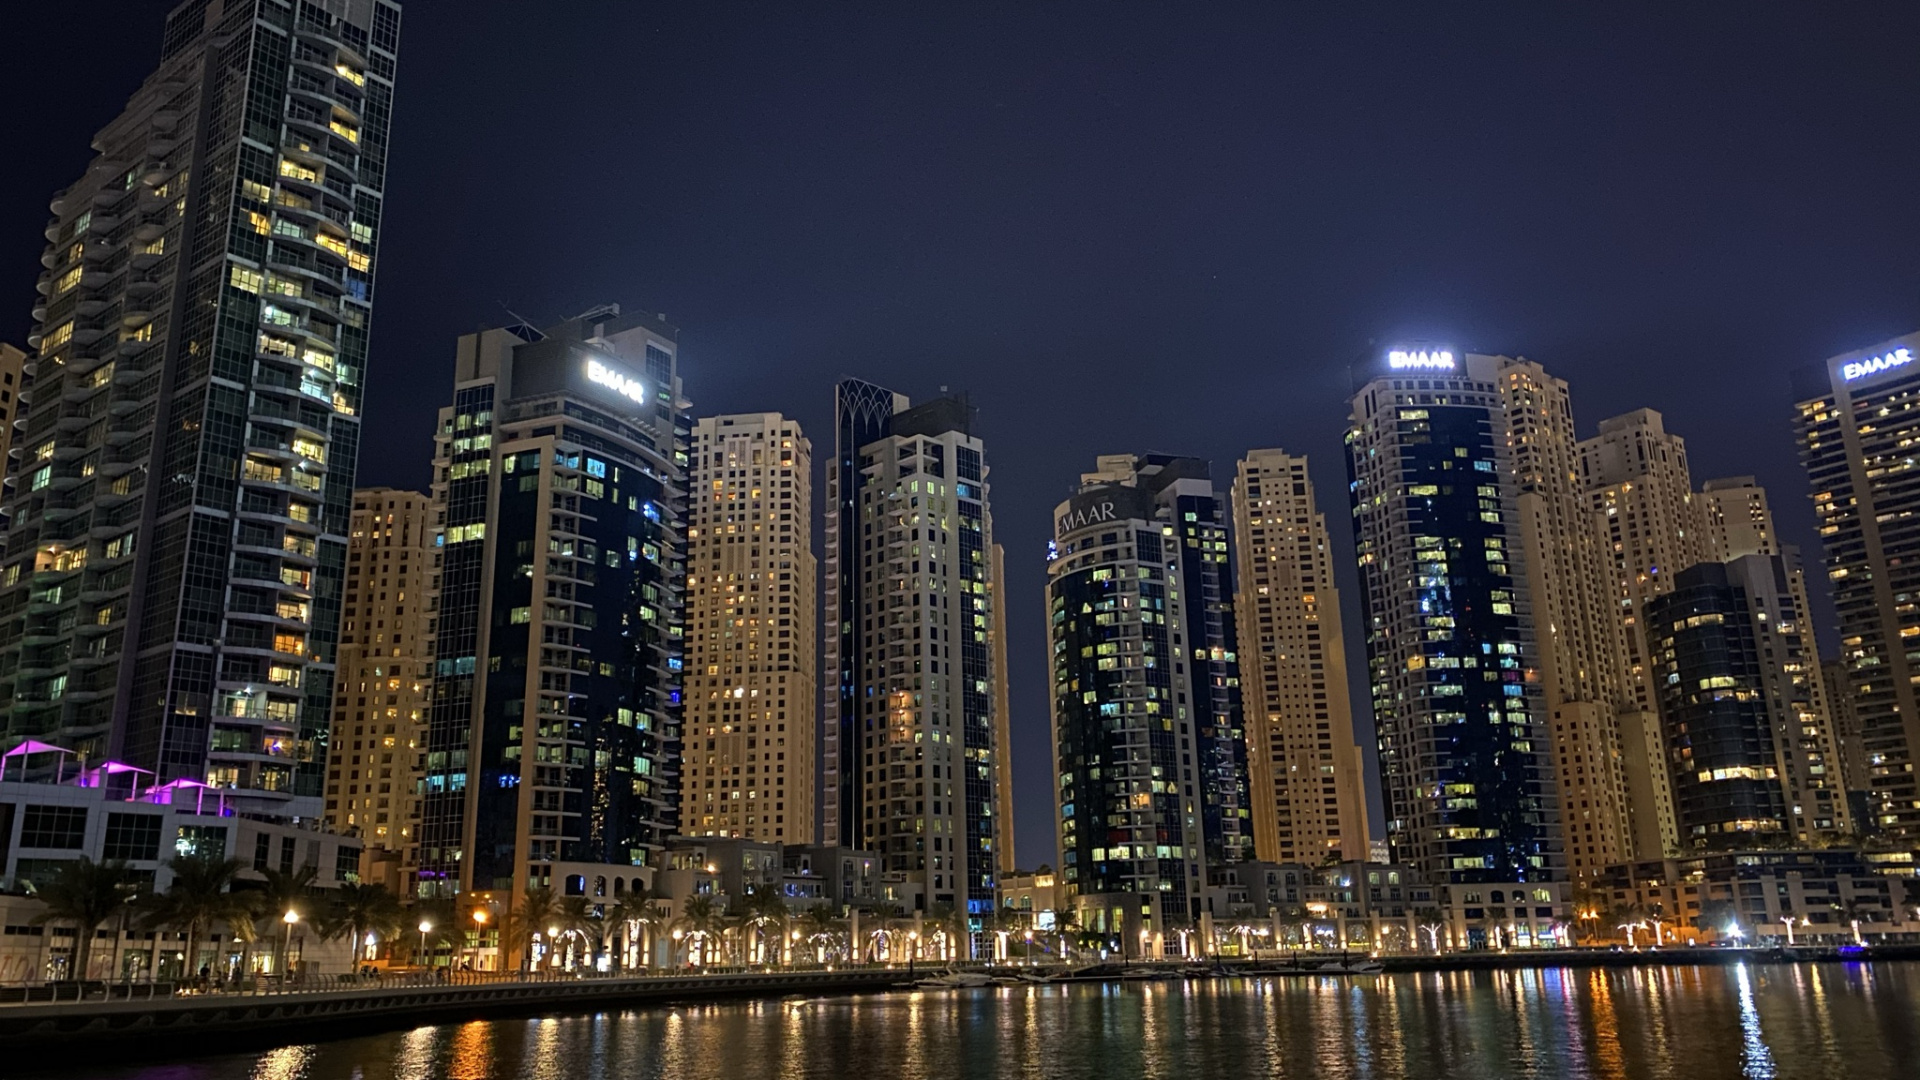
(553, 734)
(1452, 656)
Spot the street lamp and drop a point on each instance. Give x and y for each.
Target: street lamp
(479, 928)
(1029, 948)
(286, 941)
(553, 950)
(425, 960)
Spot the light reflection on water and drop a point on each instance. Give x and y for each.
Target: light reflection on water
(1857, 1022)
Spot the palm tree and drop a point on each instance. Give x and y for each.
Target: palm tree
(86, 893)
(199, 897)
(699, 919)
(821, 929)
(576, 917)
(761, 909)
(1432, 920)
(358, 910)
(280, 893)
(527, 919)
(884, 915)
(1066, 925)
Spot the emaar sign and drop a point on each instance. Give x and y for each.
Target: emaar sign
(1860, 369)
(1404, 360)
(619, 382)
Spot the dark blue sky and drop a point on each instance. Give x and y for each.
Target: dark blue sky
(1119, 227)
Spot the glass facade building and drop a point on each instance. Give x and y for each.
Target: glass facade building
(171, 586)
(553, 734)
(1751, 747)
(1857, 417)
(1126, 697)
(1451, 650)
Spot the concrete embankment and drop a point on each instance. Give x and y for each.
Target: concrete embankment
(96, 1030)
(36, 1035)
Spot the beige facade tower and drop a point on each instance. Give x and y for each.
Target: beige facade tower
(1583, 653)
(1652, 526)
(1738, 519)
(380, 698)
(13, 365)
(1002, 717)
(1309, 798)
(748, 764)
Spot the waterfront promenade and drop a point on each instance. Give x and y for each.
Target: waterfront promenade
(157, 1020)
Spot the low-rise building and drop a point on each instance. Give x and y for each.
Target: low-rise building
(1809, 895)
(54, 812)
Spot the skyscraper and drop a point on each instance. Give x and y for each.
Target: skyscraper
(748, 768)
(205, 309)
(1199, 516)
(1747, 727)
(1582, 641)
(1858, 415)
(1129, 794)
(1309, 798)
(553, 741)
(911, 556)
(1652, 526)
(1451, 651)
(386, 671)
(862, 413)
(1739, 521)
(13, 369)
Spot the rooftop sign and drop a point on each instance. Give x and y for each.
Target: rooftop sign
(1860, 369)
(1404, 360)
(618, 381)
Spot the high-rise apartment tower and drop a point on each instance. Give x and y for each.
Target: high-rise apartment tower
(1652, 526)
(748, 767)
(1128, 793)
(385, 675)
(1582, 641)
(1309, 797)
(553, 741)
(172, 579)
(1452, 655)
(1858, 416)
(914, 756)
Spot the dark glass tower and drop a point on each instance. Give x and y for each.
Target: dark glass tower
(552, 750)
(1450, 640)
(1130, 806)
(171, 587)
(862, 414)
(1747, 735)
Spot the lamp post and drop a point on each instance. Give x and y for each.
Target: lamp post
(1029, 948)
(553, 946)
(677, 935)
(425, 960)
(286, 942)
(479, 928)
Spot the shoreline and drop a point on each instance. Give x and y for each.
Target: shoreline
(182, 1027)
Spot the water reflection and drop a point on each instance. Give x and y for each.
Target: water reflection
(1758, 1021)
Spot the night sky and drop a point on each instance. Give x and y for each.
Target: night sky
(1159, 227)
